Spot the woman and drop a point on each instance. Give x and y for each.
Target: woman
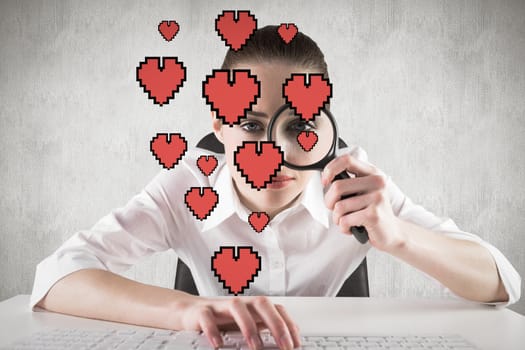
(308, 221)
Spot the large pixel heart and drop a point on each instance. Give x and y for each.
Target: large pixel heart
(258, 166)
(235, 31)
(236, 272)
(307, 98)
(231, 99)
(201, 201)
(168, 151)
(161, 82)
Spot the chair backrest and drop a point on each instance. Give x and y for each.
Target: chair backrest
(355, 286)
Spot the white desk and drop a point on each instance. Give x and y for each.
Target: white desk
(485, 326)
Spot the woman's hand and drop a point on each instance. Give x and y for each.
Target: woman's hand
(369, 207)
(249, 314)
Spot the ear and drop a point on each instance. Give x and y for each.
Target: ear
(217, 127)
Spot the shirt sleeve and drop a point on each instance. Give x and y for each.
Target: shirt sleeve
(406, 209)
(143, 226)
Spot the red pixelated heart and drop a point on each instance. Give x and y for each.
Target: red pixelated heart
(168, 29)
(207, 164)
(235, 31)
(307, 99)
(231, 99)
(161, 83)
(258, 220)
(201, 201)
(236, 272)
(287, 31)
(258, 166)
(168, 151)
(307, 140)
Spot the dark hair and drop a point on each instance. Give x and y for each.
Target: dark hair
(267, 45)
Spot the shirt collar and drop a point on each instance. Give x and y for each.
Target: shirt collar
(312, 198)
(227, 205)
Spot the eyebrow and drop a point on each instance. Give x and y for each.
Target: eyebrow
(264, 115)
(257, 114)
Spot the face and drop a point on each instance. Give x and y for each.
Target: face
(288, 184)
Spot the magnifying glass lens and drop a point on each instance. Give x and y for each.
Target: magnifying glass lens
(303, 142)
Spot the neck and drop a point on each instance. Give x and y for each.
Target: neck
(254, 206)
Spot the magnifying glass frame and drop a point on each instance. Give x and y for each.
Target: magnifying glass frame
(360, 232)
(327, 157)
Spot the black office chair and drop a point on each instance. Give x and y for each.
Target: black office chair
(355, 286)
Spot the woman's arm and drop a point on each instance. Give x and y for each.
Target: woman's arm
(103, 295)
(466, 268)
(463, 264)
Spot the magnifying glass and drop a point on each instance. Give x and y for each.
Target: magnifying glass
(309, 145)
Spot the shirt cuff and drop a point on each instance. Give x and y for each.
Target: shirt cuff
(52, 269)
(509, 276)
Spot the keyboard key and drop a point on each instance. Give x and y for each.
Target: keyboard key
(194, 340)
(333, 338)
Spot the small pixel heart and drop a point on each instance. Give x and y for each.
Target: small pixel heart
(201, 201)
(258, 166)
(287, 31)
(307, 99)
(236, 272)
(258, 220)
(231, 99)
(207, 164)
(168, 29)
(307, 140)
(161, 83)
(168, 151)
(235, 31)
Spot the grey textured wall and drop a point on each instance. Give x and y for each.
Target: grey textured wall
(433, 90)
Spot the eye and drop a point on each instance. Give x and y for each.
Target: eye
(300, 125)
(251, 127)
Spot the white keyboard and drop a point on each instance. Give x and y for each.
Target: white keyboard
(80, 339)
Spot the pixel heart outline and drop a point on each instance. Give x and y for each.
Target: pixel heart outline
(168, 23)
(236, 17)
(232, 77)
(258, 215)
(168, 139)
(148, 60)
(202, 191)
(306, 133)
(307, 80)
(258, 151)
(284, 31)
(206, 159)
(236, 258)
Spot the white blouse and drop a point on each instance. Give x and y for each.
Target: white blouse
(302, 252)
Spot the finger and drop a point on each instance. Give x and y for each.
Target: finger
(292, 326)
(352, 204)
(209, 327)
(246, 323)
(349, 163)
(345, 187)
(277, 325)
(365, 217)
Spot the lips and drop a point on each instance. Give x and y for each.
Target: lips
(280, 182)
(281, 178)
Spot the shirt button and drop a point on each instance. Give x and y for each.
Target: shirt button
(277, 264)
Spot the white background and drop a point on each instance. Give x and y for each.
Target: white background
(432, 90)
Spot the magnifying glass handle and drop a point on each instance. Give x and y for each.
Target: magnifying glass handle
(360, 232)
